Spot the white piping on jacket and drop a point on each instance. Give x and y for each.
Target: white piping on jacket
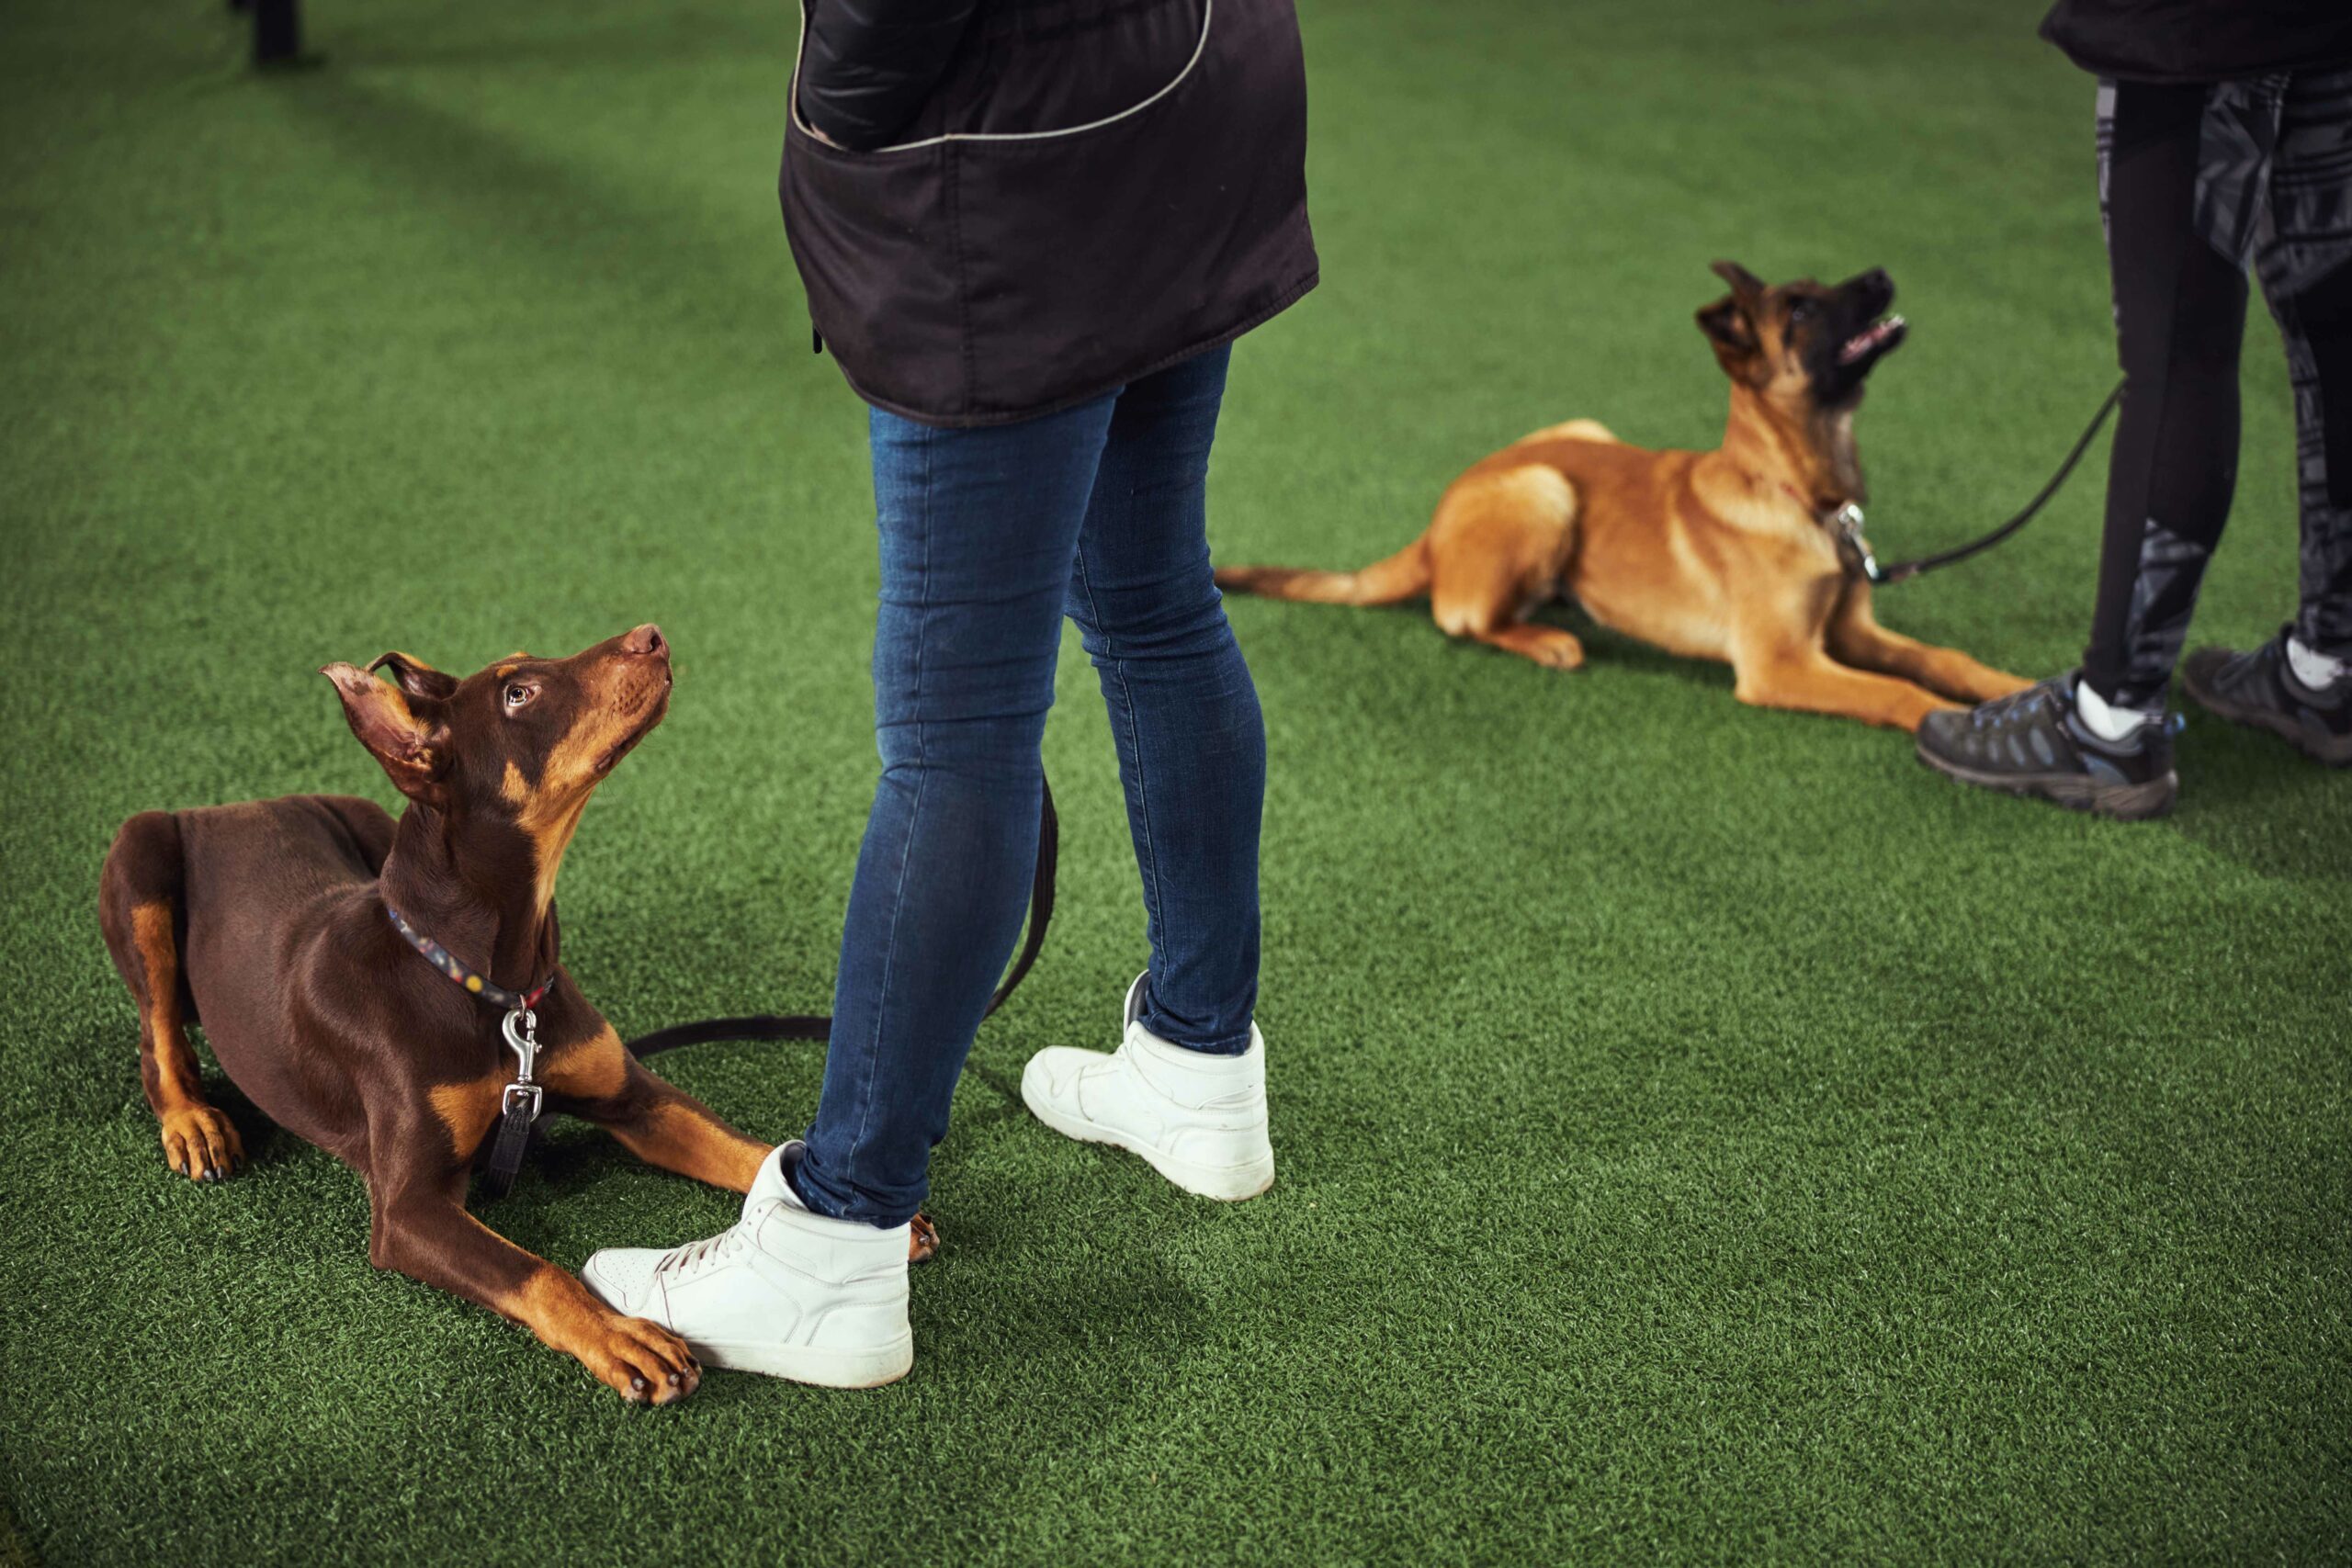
(1208, 9)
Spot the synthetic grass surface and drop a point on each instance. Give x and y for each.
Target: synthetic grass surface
(1703, 1133)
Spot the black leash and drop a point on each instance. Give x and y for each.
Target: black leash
(1848, 519)
(519, 1103)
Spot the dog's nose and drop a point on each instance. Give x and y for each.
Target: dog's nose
(645, 639)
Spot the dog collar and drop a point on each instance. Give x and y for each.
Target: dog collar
(1843, 521)
(441, 959)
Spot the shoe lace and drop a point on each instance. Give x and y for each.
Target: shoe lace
(685, 1261)
(2042, 705)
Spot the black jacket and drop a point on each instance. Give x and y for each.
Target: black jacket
(2201, 40)
(868, 66)
(1035, 201)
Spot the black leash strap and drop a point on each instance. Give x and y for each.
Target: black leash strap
(518, 1103)
(774, 1027)
(1903, 571)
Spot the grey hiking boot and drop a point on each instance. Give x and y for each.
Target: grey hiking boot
(2259, 689)
(2032, 742)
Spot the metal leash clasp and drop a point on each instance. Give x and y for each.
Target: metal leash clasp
(521, 1027)
(1847, 522)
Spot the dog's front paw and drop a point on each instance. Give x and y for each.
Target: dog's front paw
(1560, 652)
(643, 1361)
(201, 1143)
(1996, 683)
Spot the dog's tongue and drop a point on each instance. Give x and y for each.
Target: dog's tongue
(1869, 339)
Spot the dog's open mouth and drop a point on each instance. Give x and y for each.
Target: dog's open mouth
(1873, 339)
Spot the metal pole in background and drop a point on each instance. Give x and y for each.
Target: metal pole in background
(278, 30)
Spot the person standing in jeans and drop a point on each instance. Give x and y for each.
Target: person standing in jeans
(2224, 138)
(1030, 231)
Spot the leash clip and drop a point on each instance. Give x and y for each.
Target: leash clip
(521, 1027)
(1846, 523)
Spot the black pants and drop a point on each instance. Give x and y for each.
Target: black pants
(2193, 182)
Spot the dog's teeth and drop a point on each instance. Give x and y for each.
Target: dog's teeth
(1870, 337)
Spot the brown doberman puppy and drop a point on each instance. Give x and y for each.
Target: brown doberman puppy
(1733, 554)
(272, 924)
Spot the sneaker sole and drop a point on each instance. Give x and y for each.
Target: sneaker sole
(807, 1364)
(2125, 803)
(1225, 1183)
(2331, 751)
(797, 1363)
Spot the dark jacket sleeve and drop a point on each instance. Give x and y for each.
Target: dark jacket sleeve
(868, 66)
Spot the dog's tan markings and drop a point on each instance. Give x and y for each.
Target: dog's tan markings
(506, 669)
(551, 817)
(467, 1110)
(595, 1068)
(572, 765)
(644, 1361)
(680, 1134)
(159, 959)
(196, 1136)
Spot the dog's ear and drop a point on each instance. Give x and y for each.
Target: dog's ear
(406, 737)
(1746, 286)
(1732, 333)
(417, 677)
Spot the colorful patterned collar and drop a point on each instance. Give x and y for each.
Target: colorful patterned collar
(440, 958)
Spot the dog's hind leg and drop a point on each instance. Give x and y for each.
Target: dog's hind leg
(139, 910)
(1855, 637)
(1574, 430)
(1497, 547)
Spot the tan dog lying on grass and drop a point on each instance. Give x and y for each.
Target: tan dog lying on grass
(1729, 555)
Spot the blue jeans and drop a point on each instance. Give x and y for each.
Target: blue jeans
(989, 537)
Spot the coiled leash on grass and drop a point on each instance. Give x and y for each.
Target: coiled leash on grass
(1848, 519)
(520, 1103)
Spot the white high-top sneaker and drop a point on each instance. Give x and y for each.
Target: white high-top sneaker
(1200, 1120)
(784, 1291)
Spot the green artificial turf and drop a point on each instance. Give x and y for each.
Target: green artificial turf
(1703, 1133)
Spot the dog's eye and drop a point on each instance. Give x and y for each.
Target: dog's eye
(518, 694)
(1801, 310)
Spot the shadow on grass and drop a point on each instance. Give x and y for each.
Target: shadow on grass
(2253, 799)
(546, 222)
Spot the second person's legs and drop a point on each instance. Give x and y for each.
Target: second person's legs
(2305, 264)
(2298, 684)
(2180, 320)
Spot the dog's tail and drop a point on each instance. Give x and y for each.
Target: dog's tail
(1401, 576)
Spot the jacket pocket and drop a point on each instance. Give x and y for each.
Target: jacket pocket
(975, 277)
(1048, 91)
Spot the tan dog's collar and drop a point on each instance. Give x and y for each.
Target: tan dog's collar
(1843, 519)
